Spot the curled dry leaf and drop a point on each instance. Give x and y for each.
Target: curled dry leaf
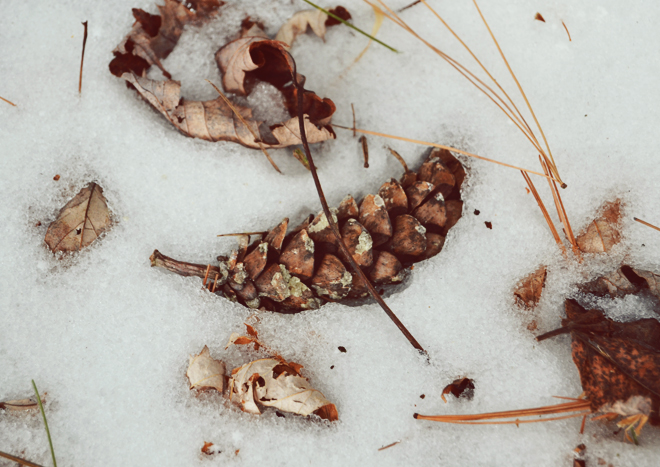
(603, 233)
(528, 293)
(273, 383)
(81, 221)
(204, 372)
(316, 20)
(244, 62)
(459, 387)
(385, 233)
(619, 363)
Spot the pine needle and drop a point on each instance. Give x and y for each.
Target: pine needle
(8, 102)
(647, 224)
(351, 26)
(538, 199)
(43, 414)
(441, 146)
(581, 408)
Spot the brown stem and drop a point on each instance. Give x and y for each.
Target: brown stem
(181, 267)
(82, 58)
(333, 226)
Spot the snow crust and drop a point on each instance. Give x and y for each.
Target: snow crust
(108, 337)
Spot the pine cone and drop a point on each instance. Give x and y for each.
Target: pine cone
(406, 222)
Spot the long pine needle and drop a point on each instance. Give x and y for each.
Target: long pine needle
(441, 146)
(43, 414)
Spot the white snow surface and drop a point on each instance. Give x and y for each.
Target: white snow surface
(107, 337)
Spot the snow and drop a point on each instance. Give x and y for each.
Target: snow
(108, 338)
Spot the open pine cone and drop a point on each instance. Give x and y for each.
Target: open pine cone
(406, 222)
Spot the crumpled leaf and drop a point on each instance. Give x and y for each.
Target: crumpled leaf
(243, 62)
(204, 372)
(153, 37)
(616, 361)
(81, 221)
(528, 293)
(316, 20)
(459, 387)
(603, 233)
(273, 383)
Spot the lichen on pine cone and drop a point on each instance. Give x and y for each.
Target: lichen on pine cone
(406, 222)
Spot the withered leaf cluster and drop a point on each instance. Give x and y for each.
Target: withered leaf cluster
(251, 58)
(300, 269)
(81, 221)
(267, 382)
(619, 363)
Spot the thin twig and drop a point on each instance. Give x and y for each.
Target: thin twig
(20, 460)
(353, 109)
(333, 224)
(647, 224)
(389, 445)
(242, 234)
(82, 58)
(43, 414)
(365, 150)
(332, 15)
(410, 5)
(400, 159)
(240, 117)
(441, 146)
(8, 102)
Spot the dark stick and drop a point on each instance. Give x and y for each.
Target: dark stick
(353, 109)
(333, 225)
(20, 460)
(365, 150)
(82, 59)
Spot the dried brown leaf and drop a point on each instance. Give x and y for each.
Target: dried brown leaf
(204, 372)
(252, 56)
(528, 293)
(81, 221)
(459, 387)
(603, 233)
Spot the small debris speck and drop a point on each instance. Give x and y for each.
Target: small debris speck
(56, 177)
(422, 396)
(489, 225)
(477, 212)
(342, 348)
(332, 367)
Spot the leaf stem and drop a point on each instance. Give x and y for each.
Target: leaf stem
(43, 414)
(332, 15)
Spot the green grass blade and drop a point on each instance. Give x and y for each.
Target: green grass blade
(43, 414)
(351, 26)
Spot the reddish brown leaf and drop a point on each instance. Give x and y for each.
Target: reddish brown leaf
(528, 293)
(459, 387)
(616, 360)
